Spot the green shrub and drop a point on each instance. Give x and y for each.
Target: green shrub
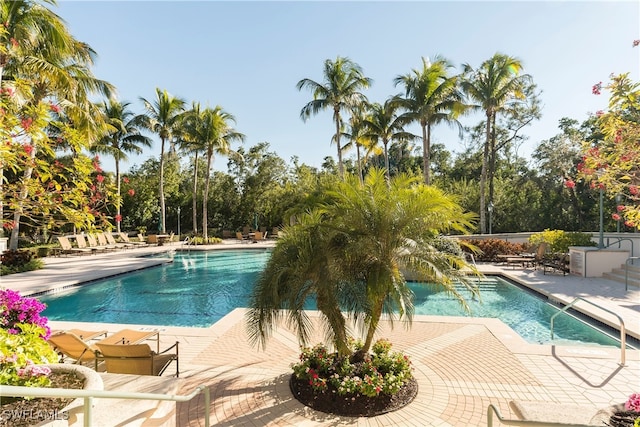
(198, 240)
(560, 240)
(491, 248)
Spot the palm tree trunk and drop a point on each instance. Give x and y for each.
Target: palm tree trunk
(359, 163)
(195, 195)
(162, 227)
(336, 116)
(118, 190)
(492, 158)
(483, 177)
(205, 198)
(386, 159)
(425, 153)
(17, 213)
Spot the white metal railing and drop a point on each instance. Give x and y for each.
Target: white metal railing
(492, 409)
(626, 271)
(89, 395)
(623, 332)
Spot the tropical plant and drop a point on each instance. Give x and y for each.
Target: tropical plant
(351, 253)
(431, 97)
(493, 85)
(560, 240)
(122, 136)
(340, 90)
(162, 117)
(385, 124)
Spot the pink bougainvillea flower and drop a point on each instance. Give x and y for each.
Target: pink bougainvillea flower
(596, 88)
(633, 403)
(629, 223)
(131, 192)
(55, 108)
(126, 180)
(100, 178)
(633, 190)
(26, 123)
(569, 183)
(599, 113)
(620, 208)
(615, 217)
(28, 149)
(118, 218)
(14, 42)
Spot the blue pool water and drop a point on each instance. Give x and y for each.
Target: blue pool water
(199, 288)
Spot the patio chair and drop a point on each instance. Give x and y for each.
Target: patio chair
(125, 238)
(112, 241)
(152, 239)
(65, 244)
(70, 345)
(259, 236)
(240, 237)
(82, 243)
(137, 359)
(102, 242)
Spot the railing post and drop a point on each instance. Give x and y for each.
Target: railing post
(88, 404)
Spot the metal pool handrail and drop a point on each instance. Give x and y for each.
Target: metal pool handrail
(623, 333)
(88, 395)
(492, 409)
(626, 271)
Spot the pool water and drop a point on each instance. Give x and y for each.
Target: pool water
(199, 288)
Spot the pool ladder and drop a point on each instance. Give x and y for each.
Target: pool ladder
(623, 332)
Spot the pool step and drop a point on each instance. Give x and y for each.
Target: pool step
(618, 275)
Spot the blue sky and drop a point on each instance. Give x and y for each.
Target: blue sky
(248, 56)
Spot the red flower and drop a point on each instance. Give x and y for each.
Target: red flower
(100, 178)
(620, 208)
(118, 218)
(629, 224)
(615, 217)
(131, 192)
(570, 183)
(633, 190)
(26, 123)
(599, 113)
(14, 42)
(126, 180)
(55, 108)
(93, 188)
(596, 88)
(28, 149)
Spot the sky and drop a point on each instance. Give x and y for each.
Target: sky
(247, 56)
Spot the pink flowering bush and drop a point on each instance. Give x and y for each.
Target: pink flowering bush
(23, 345)
(383, 371)
(633, 403)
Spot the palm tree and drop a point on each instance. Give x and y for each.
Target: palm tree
(352, 254)
(492, 86)
(340, 90)
(123, 136)
(211, 132)
(191, 144)
(384, 123)
(162, 117)
(431, 97)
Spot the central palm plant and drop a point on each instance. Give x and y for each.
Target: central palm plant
(352, 253)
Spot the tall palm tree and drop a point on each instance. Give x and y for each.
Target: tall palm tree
(192, 145)
(492, 86)
(214, 134)
(162, 117)
(123, 136)
(340, 90)
(431, 97)
(385, 124)
(352, 254)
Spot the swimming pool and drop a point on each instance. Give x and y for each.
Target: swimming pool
(199, 288)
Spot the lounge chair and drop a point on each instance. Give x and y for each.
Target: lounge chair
(82, 243)
(534, 259)
(84, 335)
(152, 239)
(65, 244)
(125, 238)
(102, 242)
(68, 344)
(137, 359)
(259, 237)
(112, 241)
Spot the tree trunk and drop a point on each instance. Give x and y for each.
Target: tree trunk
(205, 198)
(425, 153)
(386, 160)
(195, 195)
(492, 158)
(336, 116)
(483, 177)
(17, 213)
(162, 227)
(359, 163)
(118, 189)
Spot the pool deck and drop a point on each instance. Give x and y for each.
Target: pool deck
(462, 364)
